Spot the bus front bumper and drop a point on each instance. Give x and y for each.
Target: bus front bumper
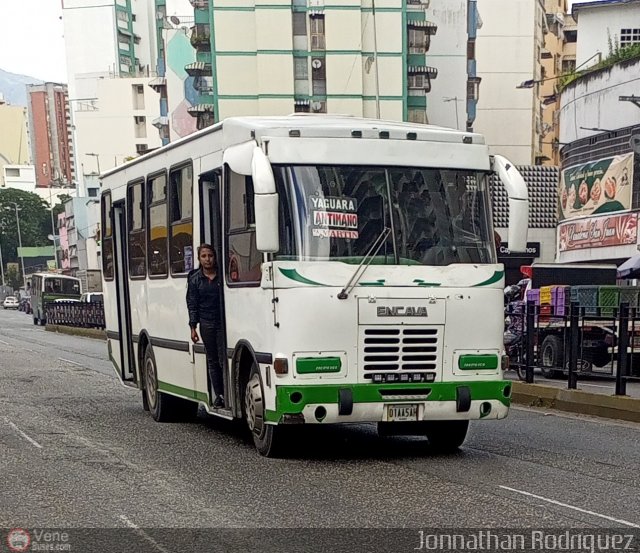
(353, 403)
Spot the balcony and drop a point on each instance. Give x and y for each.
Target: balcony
(199, 4)
(204, 85)
(158, 84)
(159, 122)
(198, 69)
(200, 109)
(201, 38)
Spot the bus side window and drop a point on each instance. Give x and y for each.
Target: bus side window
(244, 261)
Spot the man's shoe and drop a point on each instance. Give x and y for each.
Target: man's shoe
(218, 403)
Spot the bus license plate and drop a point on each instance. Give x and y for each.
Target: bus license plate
(404, 412)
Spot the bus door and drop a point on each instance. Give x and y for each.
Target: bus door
(127, 358)
(211, 233)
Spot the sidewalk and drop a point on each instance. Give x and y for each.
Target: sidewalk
(594, 397)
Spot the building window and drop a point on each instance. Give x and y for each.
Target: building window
(299, 20)
(93, 192)
(12, 172)
(244, 262)
(301, 68)
(142, 148)
(629, 37)
(418, 41)
(140, 125)
(107, 238)
(316, 27)
(319, 76)
(138, 94)
(181, 217)
(157, 254)
(568, 66)
(137, 235)
(417, 115)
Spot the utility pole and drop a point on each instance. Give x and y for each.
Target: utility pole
(24, 275)
(375, 57)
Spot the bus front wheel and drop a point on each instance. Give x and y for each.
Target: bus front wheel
(446, 436)
(266, 437)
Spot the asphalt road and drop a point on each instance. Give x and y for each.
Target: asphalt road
(77, 451)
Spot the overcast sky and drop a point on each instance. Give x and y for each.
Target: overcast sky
(33, 44)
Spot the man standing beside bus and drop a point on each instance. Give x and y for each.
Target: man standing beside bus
(203, 302)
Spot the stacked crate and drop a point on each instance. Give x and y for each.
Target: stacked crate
(630, 295)
(608, 300)
(545, 302)
(560, 300)
(534, 296)
(586, 297)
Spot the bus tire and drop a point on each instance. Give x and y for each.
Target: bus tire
(163, 407)
(446, 436)
(267, 438)
(551, 356)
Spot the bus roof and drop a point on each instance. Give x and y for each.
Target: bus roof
(238, 130)
(54, 275)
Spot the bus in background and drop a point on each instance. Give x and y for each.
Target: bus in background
(48, 287)
(359, 274)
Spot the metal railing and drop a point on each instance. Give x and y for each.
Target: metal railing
(583, 342)
(80, 314)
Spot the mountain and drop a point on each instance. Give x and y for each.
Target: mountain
(13, 87)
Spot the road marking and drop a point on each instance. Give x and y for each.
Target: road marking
(69, 361)
(28, 438)
(143, 534)
(5, 343)
(595, 385)
(573, 507)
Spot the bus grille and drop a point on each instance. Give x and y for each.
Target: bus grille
(402, 349)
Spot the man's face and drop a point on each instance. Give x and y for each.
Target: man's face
(207, 258)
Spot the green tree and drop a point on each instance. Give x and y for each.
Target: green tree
(13, 277)
(35, 222)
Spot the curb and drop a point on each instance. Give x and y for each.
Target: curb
(78, 331)
(577, 401)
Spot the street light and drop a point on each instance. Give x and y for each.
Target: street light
(595, 129)
(24, 275)
(456, 100)
(97, 156)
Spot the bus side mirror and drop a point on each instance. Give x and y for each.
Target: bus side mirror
(265, 203)
(518, 195)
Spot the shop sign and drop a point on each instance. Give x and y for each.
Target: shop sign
(598, 232)
(594, 188)
(533, 250)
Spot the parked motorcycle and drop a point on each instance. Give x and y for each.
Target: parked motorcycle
(514, 327)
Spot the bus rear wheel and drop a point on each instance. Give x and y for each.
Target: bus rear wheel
(266, 437)
(446, 436)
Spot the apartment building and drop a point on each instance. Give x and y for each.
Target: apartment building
(509, 50)
(14, 138)
(51, 135)
(363, 57)
(111, 52)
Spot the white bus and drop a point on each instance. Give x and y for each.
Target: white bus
(360, 280)
(48, 287)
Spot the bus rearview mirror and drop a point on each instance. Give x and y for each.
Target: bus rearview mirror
(265, 203)
(266, 207)
(518, 194)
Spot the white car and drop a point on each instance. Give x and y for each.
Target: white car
(10, 303)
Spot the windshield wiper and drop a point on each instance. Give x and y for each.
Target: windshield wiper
(368, 258)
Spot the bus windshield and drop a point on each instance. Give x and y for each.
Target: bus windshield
(56, 285)
(336, 213)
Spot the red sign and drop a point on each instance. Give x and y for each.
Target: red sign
(598, 232)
